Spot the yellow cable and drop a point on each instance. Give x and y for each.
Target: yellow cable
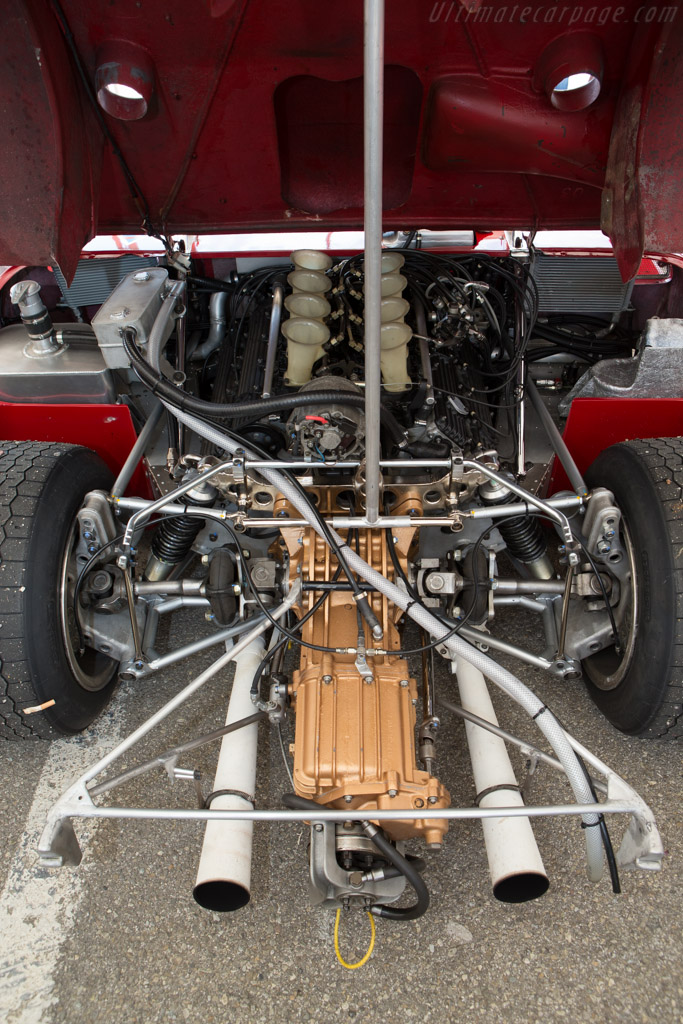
(354, 967)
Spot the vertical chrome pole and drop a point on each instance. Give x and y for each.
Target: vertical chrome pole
(373, 104)
(521, 421)
(519, 413)
(181, 335)
(273, 338)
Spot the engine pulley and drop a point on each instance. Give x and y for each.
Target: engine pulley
(330, 431)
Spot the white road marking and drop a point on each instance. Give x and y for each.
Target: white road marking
(39, 907)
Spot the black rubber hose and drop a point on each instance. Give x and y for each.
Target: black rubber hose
(159, 385)
(212, 283)
(255, 692)
(428, 449)
(328, 533)
(407, 868)
(604, 832)
(609, 853)
(418, 863)
(411, 874)
(399, 574)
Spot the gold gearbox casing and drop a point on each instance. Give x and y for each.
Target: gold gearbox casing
(355, 741)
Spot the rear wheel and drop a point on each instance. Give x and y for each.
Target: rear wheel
(42, 487)
(640, 689)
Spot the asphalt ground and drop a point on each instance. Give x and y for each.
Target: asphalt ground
(120, 939)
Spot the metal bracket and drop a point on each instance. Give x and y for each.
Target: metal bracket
(96, 525)
(491, 610)
(364, 670)
(58, 845)
(457, 465)
(191, 775)
(642, 845)
(238, 470)
(277, 703)
(565, 668)
(332, 886)
(601, 527)
(64, 847)
(531, 768)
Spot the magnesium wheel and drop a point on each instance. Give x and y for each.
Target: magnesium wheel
(42, 487)
(640, 690)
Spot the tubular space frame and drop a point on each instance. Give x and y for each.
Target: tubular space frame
(166, 505)
(641, 846)
(552, 507)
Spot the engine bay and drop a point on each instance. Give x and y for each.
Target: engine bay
(343, 410)
(252, 393)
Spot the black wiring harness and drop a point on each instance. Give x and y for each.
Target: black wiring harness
(587, 338)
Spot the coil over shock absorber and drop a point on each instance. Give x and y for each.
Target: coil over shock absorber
(174, 537)
(522, 534)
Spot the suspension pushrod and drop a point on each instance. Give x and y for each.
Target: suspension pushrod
(475, 636)
(564, 455)
(203, 644)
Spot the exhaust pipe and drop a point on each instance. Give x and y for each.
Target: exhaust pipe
(517, 871)
(224, 874)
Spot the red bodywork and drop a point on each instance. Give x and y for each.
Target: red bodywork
(594, 424)
(107, 429)
(254, 120)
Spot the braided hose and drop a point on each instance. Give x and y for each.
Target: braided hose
(505, 680)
